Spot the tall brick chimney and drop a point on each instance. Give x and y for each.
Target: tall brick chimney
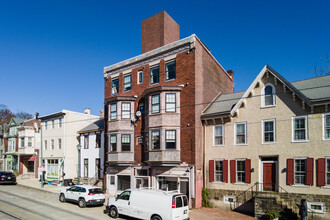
(157, 31)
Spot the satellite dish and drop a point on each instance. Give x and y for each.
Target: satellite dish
(138, 113)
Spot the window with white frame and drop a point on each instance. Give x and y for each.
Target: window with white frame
(170, 139)
(29, 141)
(240, 133)
(53, 123)
(125, 142)
(299, 128)
(113, 111)
(98, 141)
(52, 143)
(269, 95)
(115, 86)
(154, 75)
(326, 126)
(300, 171)
(59, 143)
(140, 77)
(328, 171)
(170, 70)
(113, 143)
(218, 135)
(86, 141)
(46, 122)
(86, 167)
(240, 171)
(268, 131)
(127, 82)
(22, 142)
(155, 139)
(170, 102)
(125, 110)
(45, 144)
(60, 122)
(155, 103)
(218, 171)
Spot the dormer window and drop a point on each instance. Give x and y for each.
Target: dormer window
(268, 95)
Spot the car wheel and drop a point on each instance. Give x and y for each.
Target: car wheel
(156, 217)
(62, 198)
(82, 203)
(113, 213)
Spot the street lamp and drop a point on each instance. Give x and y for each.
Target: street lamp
(78, 148)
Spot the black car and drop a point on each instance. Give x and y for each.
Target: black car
(7, 177)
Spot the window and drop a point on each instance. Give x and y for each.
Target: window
(178, 202)
(115, 86)
(45, 145)
(300, 128)
(316, 207)
(86, 141)
(167, 183)
(240, 137)
(218, 172)
(97, 168)
(170, 102)
(86, 167)
(127, 83)
(170, 70)
(300, 171)
(155, 139)
(269, 95)
(126, 110)
(155, 104)
(240, 171)
(140, 77)
(170, 139)
(53, 123)
(326, 128)
(98, 141)
(52, 142)
(125, 142)
(125, 195)
(328, 171)
(268, 131)
(113, 143)
(59, 143)
(60, 122)
(218, 135)
(113, 111)
(46, 125)
(22, 142)
(154, 75)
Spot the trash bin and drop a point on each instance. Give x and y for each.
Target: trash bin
(68, 182)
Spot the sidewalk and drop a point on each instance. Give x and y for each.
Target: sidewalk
(195, 214)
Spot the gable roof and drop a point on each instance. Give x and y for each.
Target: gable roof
(312, 91)
(15, 121)
(95, 126)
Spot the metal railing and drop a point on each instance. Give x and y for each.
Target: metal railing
(275, 190)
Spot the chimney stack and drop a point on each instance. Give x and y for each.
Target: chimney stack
(157, 31)
(87, 111)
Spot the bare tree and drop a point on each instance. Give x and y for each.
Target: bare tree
(323, 69)
(23, 115)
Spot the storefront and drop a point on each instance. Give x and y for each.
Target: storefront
(12, 162)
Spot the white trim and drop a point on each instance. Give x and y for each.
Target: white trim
(263, 95)
(326, 172)
(323, 126)
(138, 75)
(306, 128)
(223, 135)
(294, 172)
(309, 207)
(263, 131)
(215, 171)
(245, 129)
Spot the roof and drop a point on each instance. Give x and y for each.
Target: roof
(16, 121)
(95, 126)
(224, 103)
(315, 89)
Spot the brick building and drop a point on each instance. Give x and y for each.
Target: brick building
(153, 104)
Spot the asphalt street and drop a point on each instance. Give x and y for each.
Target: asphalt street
(24, 203)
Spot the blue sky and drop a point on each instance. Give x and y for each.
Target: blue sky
(52, 53)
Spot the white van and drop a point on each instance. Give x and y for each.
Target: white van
(149, 204)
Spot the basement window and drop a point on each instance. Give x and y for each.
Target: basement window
(316, 207)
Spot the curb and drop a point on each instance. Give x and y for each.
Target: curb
(30, 187)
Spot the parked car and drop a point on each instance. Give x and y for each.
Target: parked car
(7, 177)
(149, 204)
(83, 195)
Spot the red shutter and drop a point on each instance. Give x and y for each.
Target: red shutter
(248, 171)
(321, 172)
(309, 173)
(225, 171)
(233, 171)
(211, 170)
(289, 172)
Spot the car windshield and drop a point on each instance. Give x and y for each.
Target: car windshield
(96, 191)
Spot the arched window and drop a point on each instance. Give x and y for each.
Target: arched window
(269, 95)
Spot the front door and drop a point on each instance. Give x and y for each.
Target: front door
(269, 176)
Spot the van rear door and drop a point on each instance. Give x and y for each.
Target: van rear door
(179, 207)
